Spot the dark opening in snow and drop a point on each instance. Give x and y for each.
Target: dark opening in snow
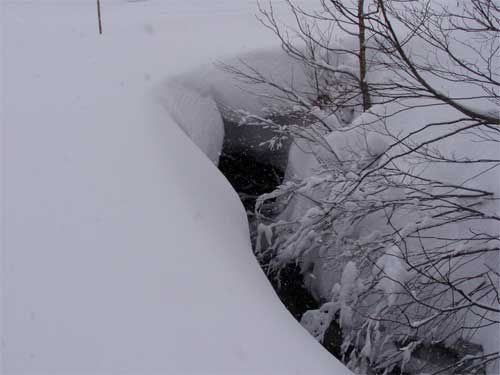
(252, 170)
(248, 176)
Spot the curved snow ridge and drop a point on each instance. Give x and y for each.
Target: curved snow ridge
(124, 249)
(195, 101)
(198, 116)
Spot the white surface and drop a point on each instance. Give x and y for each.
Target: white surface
(198, 116)
(124, 249)
(370, 137)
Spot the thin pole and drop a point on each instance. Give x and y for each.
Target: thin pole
(99, 15)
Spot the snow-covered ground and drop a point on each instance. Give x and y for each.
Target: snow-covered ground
(124, 250)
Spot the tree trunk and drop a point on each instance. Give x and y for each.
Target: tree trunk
(362, 57)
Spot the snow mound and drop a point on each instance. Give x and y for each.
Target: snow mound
(198, 116)
(124, 249)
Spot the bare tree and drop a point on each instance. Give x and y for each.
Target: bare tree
(337, 73)
(397, 230)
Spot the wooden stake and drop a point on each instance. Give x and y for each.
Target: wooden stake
(99, 15)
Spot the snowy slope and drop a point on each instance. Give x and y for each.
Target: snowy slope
(124, 249)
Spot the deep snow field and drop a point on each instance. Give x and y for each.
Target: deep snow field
(124, 250)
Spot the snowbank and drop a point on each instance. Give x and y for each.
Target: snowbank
(124, 249)
(198, 116)
(190, 97)
(369, 137)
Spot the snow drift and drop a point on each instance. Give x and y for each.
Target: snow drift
(124, 249)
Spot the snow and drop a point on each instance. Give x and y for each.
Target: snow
(198, 116)
(394, 272)
(263, 231)
(347, 293)
(124, 249)
(317, 321)
(362, 143)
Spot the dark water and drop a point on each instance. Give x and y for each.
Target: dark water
(253, 170)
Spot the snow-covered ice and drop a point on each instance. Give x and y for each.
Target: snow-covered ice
(124, 250)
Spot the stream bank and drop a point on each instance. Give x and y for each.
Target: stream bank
(253, 169)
